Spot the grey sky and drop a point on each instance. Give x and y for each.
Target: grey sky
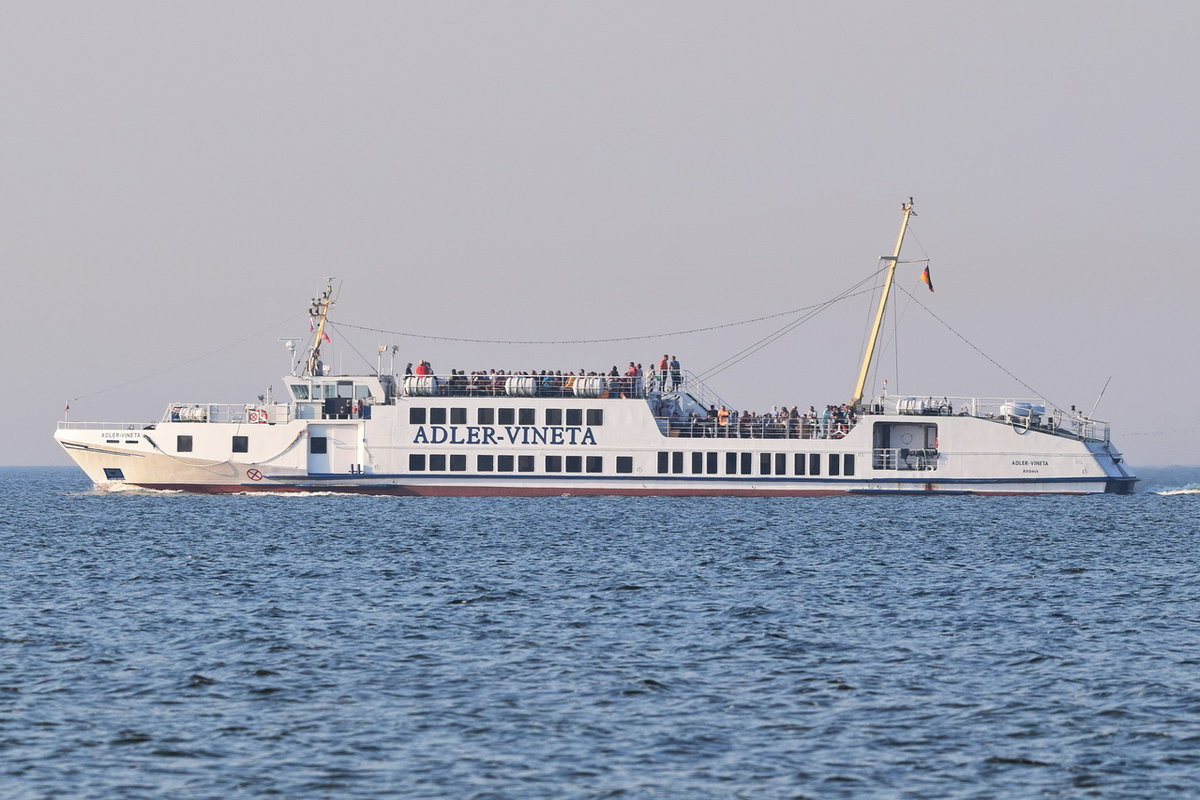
(178, 177)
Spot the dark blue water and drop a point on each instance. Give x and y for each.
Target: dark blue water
(354, 647)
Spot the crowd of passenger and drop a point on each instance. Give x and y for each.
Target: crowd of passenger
(634, 381)
(780, 422)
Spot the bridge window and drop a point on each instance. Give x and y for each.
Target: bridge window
(299, 391)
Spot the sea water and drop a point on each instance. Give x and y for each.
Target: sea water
(167, 645)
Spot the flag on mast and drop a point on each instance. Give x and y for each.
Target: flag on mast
(926, 279)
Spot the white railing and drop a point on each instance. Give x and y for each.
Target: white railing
(247, 413)
(502, 384)
(1022, 413)
(104, 426)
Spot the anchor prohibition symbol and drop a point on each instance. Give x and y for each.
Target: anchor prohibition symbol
(254, 475)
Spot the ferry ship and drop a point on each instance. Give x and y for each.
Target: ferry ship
(528, 435)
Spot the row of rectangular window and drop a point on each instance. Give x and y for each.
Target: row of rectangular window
(457, 462)
(743, 463)
(554, 417)
(183, 444)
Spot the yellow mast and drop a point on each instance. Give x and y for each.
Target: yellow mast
(318, 315)
(894, 259)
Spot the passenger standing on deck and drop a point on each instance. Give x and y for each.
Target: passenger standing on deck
(663, 366)
(676, 376)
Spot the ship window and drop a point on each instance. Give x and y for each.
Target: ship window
(416, 416)
(299, 391)
(747, 463)
(624, 464)
(458, 463)
(330, 390)
(814, 463)
(575, 416)
(664, 459)
(361, 391)
(595, 416)
(437, 462)
(697, 463)
(317, 445)
(504, 463)
(524, 463)
(712, 464)
(835, 464)
(183, 443)
(507, 416)
(677, 462)
(553, 463)
(764, 463)
(458, 416)
(345, 389)
(241, 444)
(113, 474)
(486, 416)
(416, 462)
(595, 463)
(526, 416)
(848, 464)
(731, 460)
(574, 463)
(554, 416)
(799, 463)
(437, 416)
(781, 463)
(484, 464)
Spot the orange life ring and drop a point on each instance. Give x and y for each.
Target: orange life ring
(258, 415)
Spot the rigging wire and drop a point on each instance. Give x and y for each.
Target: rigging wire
(970, 344)
(774, 336)
(156, 373)
(815, 307)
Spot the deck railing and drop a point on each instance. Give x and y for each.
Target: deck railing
(1020, 413)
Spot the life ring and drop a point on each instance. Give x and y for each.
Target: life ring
(839, 431)
(258, 415)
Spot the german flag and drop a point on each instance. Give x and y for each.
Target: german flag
(926, 279)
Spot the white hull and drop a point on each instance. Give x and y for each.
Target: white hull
(628, 453)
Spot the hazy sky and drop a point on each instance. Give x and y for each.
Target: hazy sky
(176, 179)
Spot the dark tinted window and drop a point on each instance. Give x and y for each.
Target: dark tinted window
(553, 463)
(504, 463)
(437, 416)
(595, 416)
(416, 462)
(483, 464)
(458, 463)
(487, 416)
(507, 416)
(416, 416)
(183, 443)
(848, 464)
(437, 462)
(458, 416)
(526, 416)
(624, 464)
(241, 444)
(554, 416)
(575, 416)
(574, 463)
(524, 463)
(595, 463)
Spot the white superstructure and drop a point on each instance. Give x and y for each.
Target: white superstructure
(539, 435)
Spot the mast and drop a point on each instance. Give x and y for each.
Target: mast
(318, 314)
(893, 259)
